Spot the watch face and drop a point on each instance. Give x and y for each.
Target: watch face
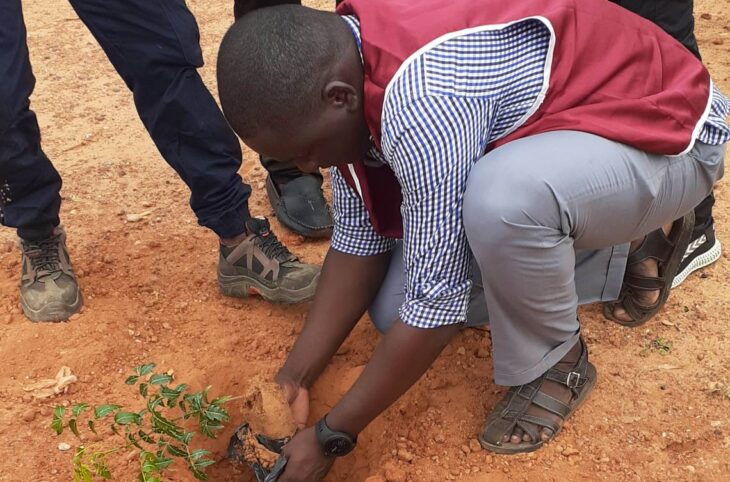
(338, 446)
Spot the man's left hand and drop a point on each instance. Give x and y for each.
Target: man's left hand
(306, 461)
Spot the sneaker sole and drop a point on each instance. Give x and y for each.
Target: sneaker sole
(52, 312)
(705, 259)
(243, 287)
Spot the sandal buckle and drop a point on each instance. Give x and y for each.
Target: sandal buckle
(573, 380)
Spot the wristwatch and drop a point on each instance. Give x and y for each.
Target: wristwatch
(334, 444)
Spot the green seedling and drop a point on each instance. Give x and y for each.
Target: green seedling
(160, 432)
(659, 344)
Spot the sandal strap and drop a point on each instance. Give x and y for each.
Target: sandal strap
(656, 245)
(540, 422)
(637, 282)
(575, 378)
(551, 404)
(667, 250)
(636, 311)
(511, 412)
(529, 427)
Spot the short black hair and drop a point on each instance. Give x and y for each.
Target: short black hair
(271, 64)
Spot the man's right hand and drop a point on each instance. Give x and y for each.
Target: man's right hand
(355, 279)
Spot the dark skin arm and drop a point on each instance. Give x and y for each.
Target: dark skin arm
(399, 360)
(347, 286)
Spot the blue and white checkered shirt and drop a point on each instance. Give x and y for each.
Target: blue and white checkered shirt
(440, 113)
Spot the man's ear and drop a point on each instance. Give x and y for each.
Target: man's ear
(340, 94)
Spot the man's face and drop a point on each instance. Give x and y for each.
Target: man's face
(330, 136)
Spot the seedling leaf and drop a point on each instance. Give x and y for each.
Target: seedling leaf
(78, 408)
(145, 369)
(73, 427)
(160, 378)
(57, 423)
(146, 437)
(176, 451)
(125, 418)
(103, 410)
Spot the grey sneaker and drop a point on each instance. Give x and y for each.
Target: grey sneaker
(49, 290)
(261, 265)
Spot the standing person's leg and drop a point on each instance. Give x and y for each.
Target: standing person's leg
(29, 184)
(155, 48)
(296, 196)
(577, 191)
(676, 17)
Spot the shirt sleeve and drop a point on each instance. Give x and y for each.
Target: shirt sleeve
(353, 232)
(716, 130)
(432, 145)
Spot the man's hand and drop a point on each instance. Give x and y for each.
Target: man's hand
(306, 461)
(331, 318)
(298, 398)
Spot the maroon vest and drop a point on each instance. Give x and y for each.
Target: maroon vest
(612, 74)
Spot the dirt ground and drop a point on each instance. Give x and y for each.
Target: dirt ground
(151, 295)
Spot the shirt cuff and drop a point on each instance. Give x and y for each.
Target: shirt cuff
(434, 313)
(361, 247)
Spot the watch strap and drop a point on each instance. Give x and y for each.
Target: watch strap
(325, 434)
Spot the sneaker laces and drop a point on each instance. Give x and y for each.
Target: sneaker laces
(43, 255)
(272, 247)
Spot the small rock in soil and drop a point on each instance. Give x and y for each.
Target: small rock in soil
(376, 478)
(63, 446)
(706, 16)
(405, 455)
(395, 474)
(134, 217)
(482, 353)
(570, 451)
(474, 445)
(29, 415)
(461, 351)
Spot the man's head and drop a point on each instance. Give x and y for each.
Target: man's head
(290, 83)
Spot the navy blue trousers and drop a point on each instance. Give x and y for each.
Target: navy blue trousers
(154, 46)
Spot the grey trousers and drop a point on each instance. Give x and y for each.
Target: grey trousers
(549, 219)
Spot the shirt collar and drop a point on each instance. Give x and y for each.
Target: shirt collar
(354, 25)
(374, 157)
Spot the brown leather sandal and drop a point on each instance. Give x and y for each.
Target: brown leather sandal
(511, 411)
(668, 252)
